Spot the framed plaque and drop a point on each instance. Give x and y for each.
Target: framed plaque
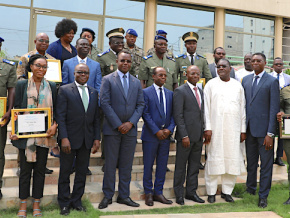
(3, 102)
(285, 127)
(200, 83)
(53, 72)
(30, 122)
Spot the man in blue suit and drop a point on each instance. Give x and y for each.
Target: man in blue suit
(83, 49)
(158, 125)
(122, 103)
(262, 105)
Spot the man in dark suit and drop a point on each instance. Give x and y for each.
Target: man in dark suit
(122, 103)
(158, 125)
(188, 113)
(219, 53)
(78, 132)
(262, 104)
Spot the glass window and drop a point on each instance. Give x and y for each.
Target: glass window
(16, 2)
(88, 6)
(125, 8)
(14, 31)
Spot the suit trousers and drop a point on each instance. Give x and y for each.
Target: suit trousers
(152, 150)
(190, 156)
(254, 149)
(82, 158)
(119, 150)
(38, 168)
(3, 138)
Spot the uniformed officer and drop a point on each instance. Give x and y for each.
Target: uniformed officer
(158, 59)
(130, 46)
(89, 34)
(8, 81)
(41, 44)
(191, 58)
(169, 52)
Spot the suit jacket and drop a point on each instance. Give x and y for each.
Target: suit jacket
(118, 108)
(152, 114)
(188, 116)
(68, 69)
(214, 74)
(261, 109)
(286, 78)
(55, 49)
(74, 123)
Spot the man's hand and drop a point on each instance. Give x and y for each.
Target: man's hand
(6, 117)
(207, 136)
(268, 142)
(186, 142)
(65, 145)
(160, 135)
(279, 116)
(51, 131)
(125, 127)
(243, 136)
(166, 132)
(96, 146)
(13, 137)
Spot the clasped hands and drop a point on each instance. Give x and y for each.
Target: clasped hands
(163, 134)
(125, 127)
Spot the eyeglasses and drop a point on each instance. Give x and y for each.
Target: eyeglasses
(221, 66)
(123, 61)
(42, 40)
(39, 66)
(118, 43)
(82, 72)
(279, 64)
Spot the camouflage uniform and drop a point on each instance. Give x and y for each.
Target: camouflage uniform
(168, 53)
(94, 53)
(138, 54)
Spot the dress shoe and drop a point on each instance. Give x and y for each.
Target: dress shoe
(167, 169)
(195, 198)
(89, 173)
(201, 167)
(128, 201)
(287, 202)
(48, 171)
(180, 200)
(104, 203)
(64, 211)
(149, 199)
(251, 192)
(211, 199)
(161, 199)
(1, 195)
(279, 162)
(228, 198)
(80, 209)
(262, 202)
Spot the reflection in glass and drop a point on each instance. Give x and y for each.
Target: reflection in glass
(17, 2)
(14, 31)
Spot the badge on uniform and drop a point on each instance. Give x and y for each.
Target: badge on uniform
(111, 67)
(184, 70)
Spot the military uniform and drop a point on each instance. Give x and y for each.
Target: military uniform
(8, 79)
(168, 53)
(138, 54)
(182, 62)
(150, 62)
(94, 53)
(23, 61)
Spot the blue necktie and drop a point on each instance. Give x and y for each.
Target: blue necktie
(162, 105)
(82, 61)
(125, 85)
(255, 84)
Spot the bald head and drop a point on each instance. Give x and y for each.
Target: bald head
(41, 43)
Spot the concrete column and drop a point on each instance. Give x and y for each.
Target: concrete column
(150, 23)
(219, 27)
(278, 42)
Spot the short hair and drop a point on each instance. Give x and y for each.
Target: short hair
(32, 59)
(261, 54)
(124, 52)
(154, 70)
(80, 39)
(214, 51)
(224, 59)
(65, 26)
(278, 58)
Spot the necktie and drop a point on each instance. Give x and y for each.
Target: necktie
(191, 59)
(82, 61)
(125, 85)
(197, 96)
(255, 84)
(161, 102)
(278, 74)
(85, 98)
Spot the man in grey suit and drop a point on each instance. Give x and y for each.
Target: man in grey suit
(188, 113)
(122, 103)
(219, 53)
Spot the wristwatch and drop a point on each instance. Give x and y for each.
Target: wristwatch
(271, 135)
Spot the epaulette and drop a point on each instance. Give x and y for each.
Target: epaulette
(9, 62)
(170, 58)
(105, 52)
(146, 57)
(200, 56)
(178, 56)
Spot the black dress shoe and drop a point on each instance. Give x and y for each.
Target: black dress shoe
(262, 202)
(195, 198)
(64, 211)
(180, 200)
(128, 201)
(211, 199)
(89, 173)
(161, 199)
(149, 199)
(104, 203)
(80, 208)
(167, 169)
(201, 167)
(251, 192)
(1, 196)
(228, 198)
(48, 171)
(287, 202)
(279, 162)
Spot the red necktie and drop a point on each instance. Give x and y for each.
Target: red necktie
(197, 96)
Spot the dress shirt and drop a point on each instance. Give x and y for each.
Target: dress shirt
(81, 91)
(79, 60)
(189, 57)
(158, 95)
(121, 77)
(192, 89)
(281, 78)
(260, 76)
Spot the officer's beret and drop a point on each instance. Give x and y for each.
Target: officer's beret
(132, 32)
(88, 30)
(190, 36)
(160, 37)
(117, 32)
(1, 39)
(158, 32)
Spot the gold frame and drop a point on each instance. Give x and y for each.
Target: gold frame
(13, 111)
(59, 80)
(4, 110)
(201, 80)
(282, 135)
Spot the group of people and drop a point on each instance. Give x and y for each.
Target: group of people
(103, 96)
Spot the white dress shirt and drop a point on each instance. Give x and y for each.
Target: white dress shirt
(281, 78)
(260, 76)
(81, 91)
(79, 60)
(189, 57)
(192, 89)
(158, 95)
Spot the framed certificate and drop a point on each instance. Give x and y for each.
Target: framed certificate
(285, 127)
(30, 122)
(53, 72)
(200, 83)
(3, 102)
